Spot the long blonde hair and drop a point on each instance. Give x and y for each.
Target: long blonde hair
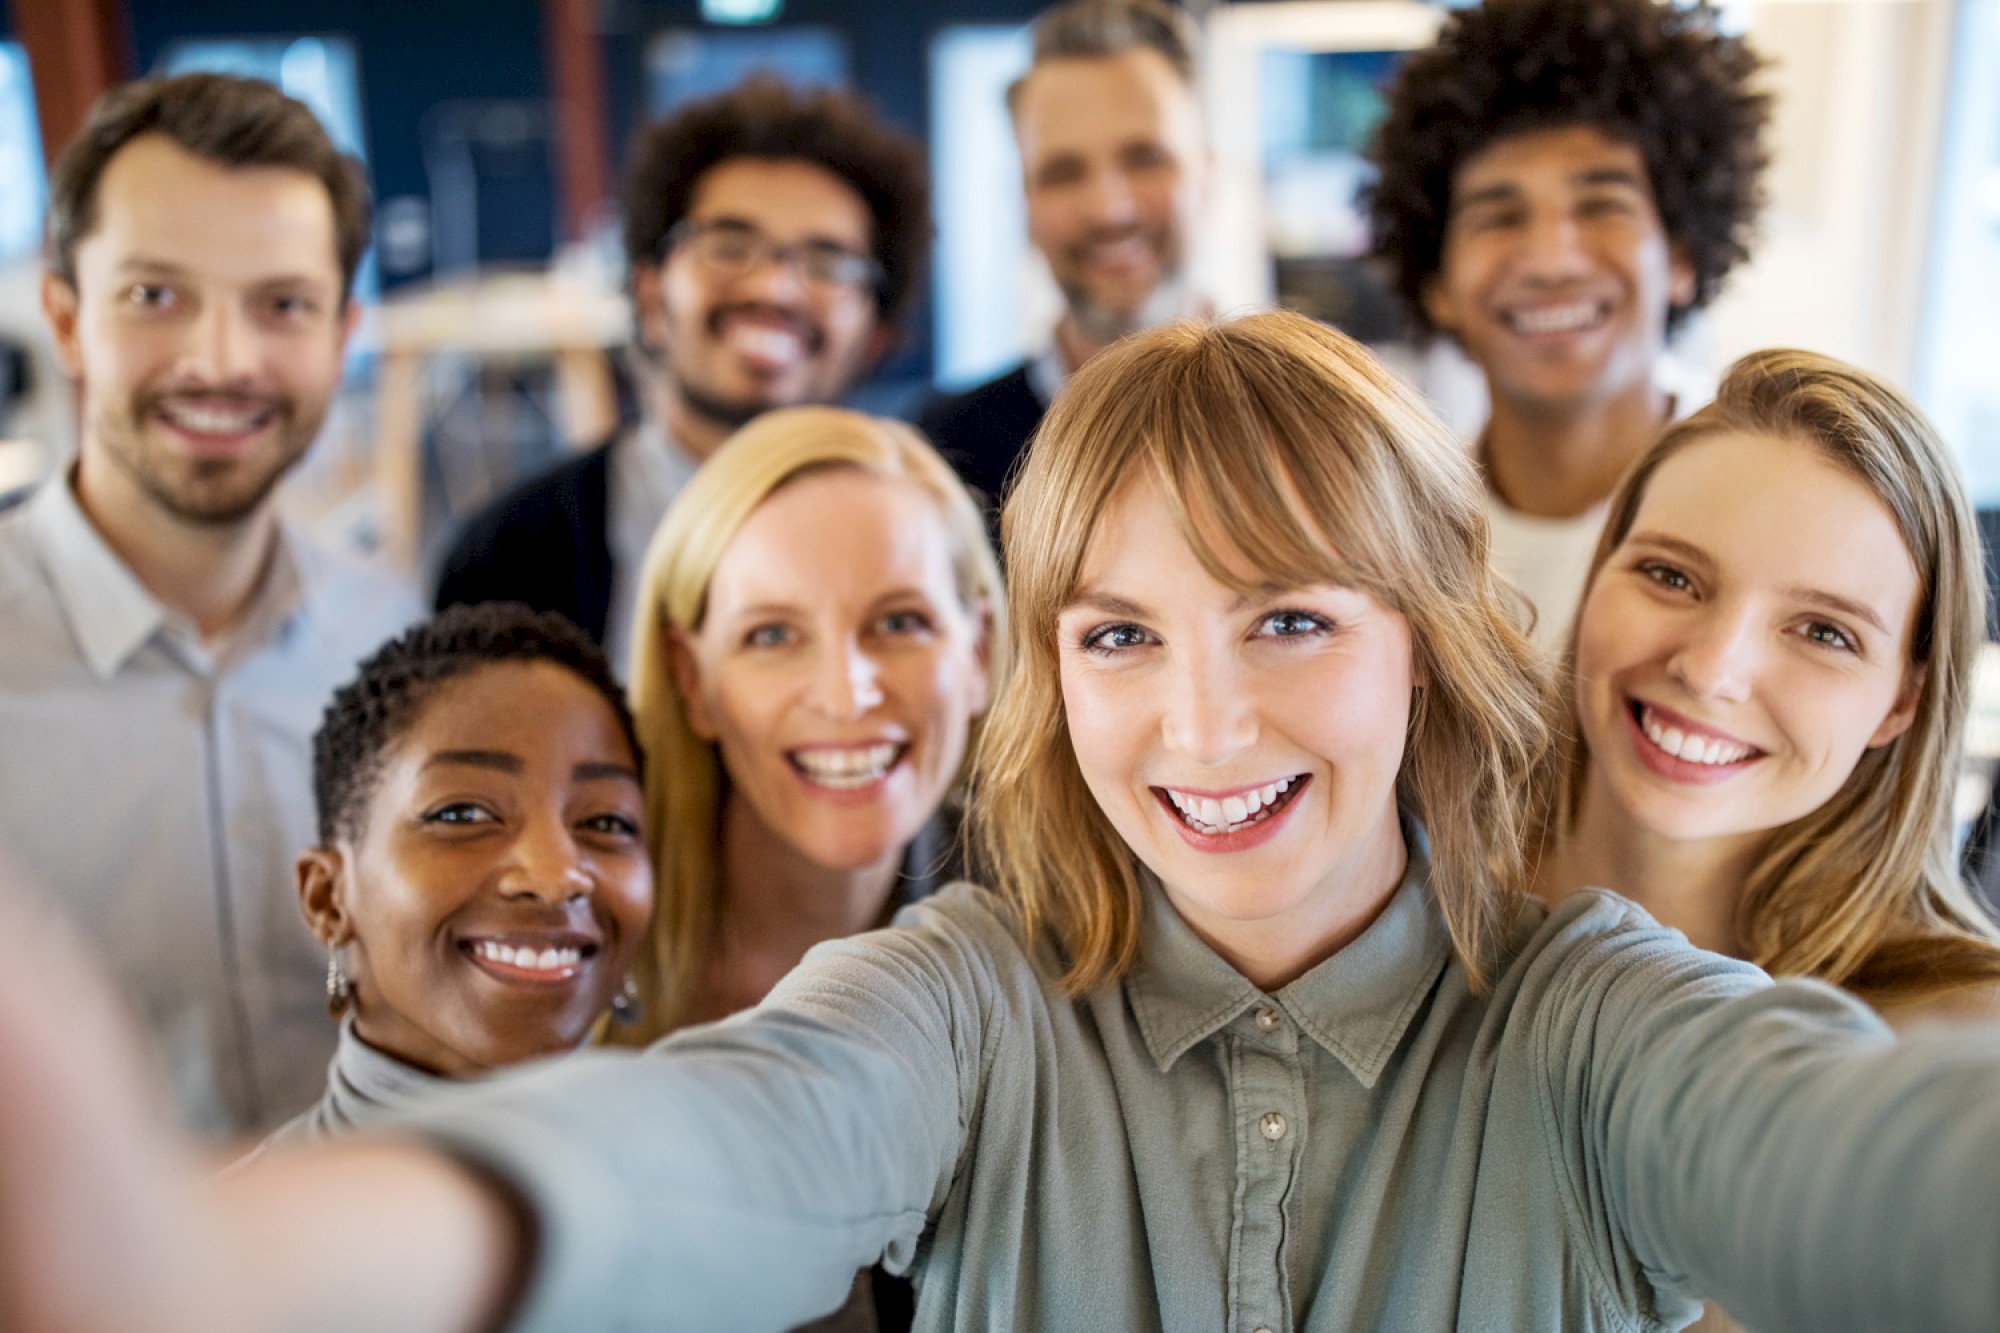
(1864, 891)
(1312, 463)
(685, 781)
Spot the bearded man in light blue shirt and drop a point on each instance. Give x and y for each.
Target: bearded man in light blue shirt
(170, 640)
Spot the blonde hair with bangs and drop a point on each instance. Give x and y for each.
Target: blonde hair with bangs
(1314, 466)
(685, 780)
(1865, 891)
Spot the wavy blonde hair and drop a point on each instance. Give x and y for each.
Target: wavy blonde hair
(1865, 891)
(685, 780)
(1312, 464)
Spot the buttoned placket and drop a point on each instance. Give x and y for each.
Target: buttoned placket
(1268, 1107)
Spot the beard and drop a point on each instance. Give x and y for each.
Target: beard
(204, 492)
(1105, 325)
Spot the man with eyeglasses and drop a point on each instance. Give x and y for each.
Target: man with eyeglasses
(774, 237)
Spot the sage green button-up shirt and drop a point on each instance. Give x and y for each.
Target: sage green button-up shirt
(1622, 1123)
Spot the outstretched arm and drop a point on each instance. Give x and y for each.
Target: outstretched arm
(110, 1223)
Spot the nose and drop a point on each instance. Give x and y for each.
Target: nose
(847, 680)
(221, 349)
(545, 863)
(1717, 660)
(1554, 243)
(1110, 198)
(1207, 713)
(774, 278)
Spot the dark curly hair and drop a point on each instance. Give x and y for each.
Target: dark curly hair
(764, 117)
(376, 709)
(1657, 76)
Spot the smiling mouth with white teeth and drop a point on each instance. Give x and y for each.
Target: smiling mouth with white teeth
(210, 418)
(847, 767)
(1570, 317)
(1232, 814)
(555, 962)
(1686, 746)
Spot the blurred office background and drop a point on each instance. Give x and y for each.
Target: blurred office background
(495, 133)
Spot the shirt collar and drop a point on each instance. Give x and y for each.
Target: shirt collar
(1356, 1005)
(110, 611)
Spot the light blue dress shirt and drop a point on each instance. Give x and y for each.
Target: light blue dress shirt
(160, 793)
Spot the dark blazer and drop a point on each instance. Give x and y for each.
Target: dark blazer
(546, 543)
(983, 431)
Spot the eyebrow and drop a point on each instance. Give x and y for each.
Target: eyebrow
(499, 761)
(1112, 605)
(747, 224)
(146, 266)
(1508, 191)
(1832, 601)
(597, 771)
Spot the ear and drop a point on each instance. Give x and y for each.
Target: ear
(1903, 713)
(59, 307)
(1680, 278)
(981, 685)
(322, 895)
(350, 318)
(1439, 308)
(686, 669)
(649, 306)
(879, 343)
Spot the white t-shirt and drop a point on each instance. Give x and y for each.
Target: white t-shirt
(1547, 559)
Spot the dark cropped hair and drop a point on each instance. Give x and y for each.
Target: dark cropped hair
(1100, 29)
(764, 117)
(232, 121)
(1656, 76)
(376, 709)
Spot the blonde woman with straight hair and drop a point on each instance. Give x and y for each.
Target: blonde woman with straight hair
(820, 620)
(1769, 682)
(1259, 1032)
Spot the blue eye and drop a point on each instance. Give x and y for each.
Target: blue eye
(1292, 625)
(1109, 639)
(1829, 635)
(904, 622)
(767, 636)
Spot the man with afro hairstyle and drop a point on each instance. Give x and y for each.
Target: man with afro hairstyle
(774, 236)
(1562, 183)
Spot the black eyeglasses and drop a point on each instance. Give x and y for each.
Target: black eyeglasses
(733, 250)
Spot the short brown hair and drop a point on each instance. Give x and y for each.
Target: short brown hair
(764, 117)
(233, 121)
(1101, 29)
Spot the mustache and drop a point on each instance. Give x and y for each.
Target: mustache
(810, 332)
(1096, 236)
(203, 397)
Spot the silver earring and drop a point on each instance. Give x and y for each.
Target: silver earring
(625, 1004)
(338, 989)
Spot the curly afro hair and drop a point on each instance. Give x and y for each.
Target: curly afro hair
(764, 117)
(376, 709)
(1657, 76)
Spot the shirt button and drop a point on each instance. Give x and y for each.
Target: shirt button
(1272, 1126)
(1269, 1019)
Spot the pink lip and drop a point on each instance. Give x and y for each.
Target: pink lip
(530, 978)
(1243, 839)
(1672, 767)
(867, 793)
(1219, 794)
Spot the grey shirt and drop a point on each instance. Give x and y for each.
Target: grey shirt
(1622, 1123)
(160, 791)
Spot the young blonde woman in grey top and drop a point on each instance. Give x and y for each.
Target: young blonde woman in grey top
(1766, 692)
(1258, 1029)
